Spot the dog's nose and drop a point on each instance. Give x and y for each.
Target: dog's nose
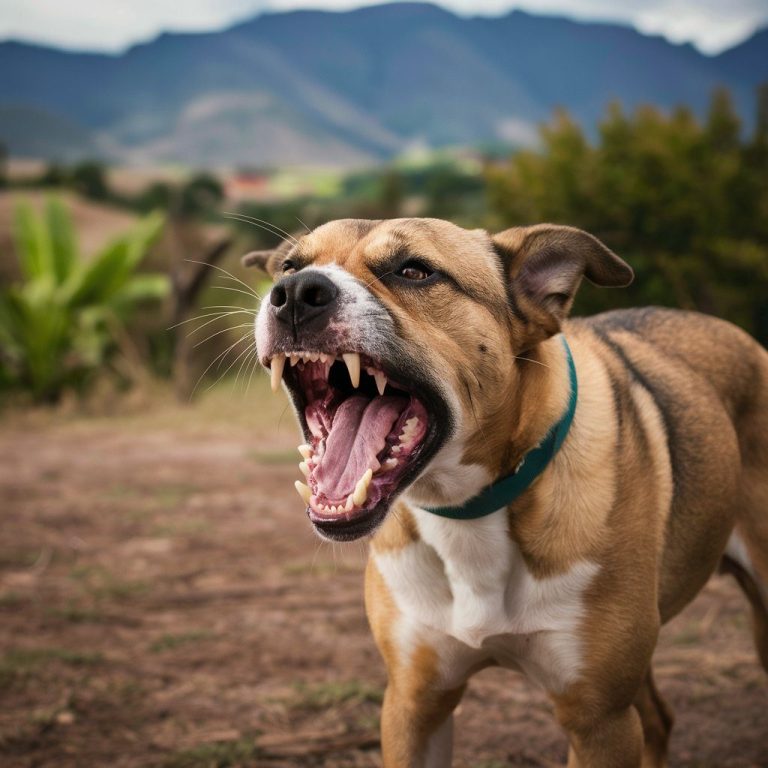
(304, 298)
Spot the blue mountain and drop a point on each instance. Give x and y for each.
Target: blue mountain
(348, 88)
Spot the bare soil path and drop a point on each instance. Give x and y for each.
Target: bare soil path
(164, 603)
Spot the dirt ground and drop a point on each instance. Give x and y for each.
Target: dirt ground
(163, 602)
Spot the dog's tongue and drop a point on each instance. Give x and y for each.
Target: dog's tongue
(358, 433)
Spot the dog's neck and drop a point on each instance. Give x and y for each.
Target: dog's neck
(534, 397)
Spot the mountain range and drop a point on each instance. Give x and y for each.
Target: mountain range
(348, 88)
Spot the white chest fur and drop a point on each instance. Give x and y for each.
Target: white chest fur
(465, 589)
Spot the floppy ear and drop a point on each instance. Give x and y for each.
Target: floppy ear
(544, 266)
(268, 261)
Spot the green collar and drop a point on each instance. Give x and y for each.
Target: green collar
(505, 490)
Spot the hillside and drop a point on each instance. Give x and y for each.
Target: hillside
(349, 88)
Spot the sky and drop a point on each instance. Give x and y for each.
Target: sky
(113, 25)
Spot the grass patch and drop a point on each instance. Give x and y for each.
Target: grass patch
(331, 694)
(74, 614)
(172, 495)
(687, 636)
(102, 583)
(170, 641)
(23, 662)
(12, 600)
(221, 754)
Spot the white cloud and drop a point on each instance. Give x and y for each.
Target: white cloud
(112, 25)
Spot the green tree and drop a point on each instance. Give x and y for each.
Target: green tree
(90, 180)
(686, 202)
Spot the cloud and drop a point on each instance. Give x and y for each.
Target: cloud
(112, 25)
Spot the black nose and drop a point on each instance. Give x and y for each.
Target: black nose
(304, 298)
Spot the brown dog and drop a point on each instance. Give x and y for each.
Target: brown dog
(428, 368)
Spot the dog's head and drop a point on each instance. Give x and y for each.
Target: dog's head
(399, 343)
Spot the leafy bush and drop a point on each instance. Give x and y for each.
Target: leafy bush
(684, 200)
(62, 322)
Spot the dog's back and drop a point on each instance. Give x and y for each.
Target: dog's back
(709, 380)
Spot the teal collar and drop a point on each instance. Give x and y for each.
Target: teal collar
(505, 490)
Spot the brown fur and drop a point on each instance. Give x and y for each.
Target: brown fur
(668, 454)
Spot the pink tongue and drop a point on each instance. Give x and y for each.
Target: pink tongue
(359, 431)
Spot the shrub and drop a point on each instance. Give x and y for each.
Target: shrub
(61, 323)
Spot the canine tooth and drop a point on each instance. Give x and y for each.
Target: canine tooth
(305, 450)
(304, 467)
(360, 493)
(276, 371)
(303, 491)
(381, 381)
(349, 506)
(352, 360)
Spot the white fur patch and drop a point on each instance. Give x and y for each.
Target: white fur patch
(465, 589)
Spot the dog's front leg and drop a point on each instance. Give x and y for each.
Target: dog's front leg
(417, 722)
(416, 718)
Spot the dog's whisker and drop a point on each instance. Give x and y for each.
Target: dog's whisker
(209, 314)
(380, 277)
(229, 368)
(223, 330)
(261, 223)
(530, 360)
(213, 362)
(303, 225)
(250, 294)
(228, 274)
(245, 364)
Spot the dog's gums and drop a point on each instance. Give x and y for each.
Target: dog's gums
(364, 431)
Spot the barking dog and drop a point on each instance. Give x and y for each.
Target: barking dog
(543, 493)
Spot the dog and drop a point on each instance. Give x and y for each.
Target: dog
(542, 493)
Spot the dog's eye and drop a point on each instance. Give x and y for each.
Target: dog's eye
(288, 267)
(414, 270)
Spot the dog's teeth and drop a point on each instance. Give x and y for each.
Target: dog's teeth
(413, 423)
(397, 448)
(360, 493)
(314, 357)
(350, 505)
(303, 491)
(276, 371)
(352, 360)
(304, 467)
(305, 450)
(323, 357)
(381, 381)
(294, 359)
(389, 464)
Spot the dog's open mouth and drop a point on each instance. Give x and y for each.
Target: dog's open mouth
(366, 432)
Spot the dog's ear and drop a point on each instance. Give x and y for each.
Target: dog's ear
(544, 265)
(268, 261)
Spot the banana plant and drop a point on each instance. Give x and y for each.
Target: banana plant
(59, 324)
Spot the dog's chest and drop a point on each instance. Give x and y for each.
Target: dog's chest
(464, 588)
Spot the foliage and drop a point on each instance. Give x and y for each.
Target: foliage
(685, 201)
(65, 318)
